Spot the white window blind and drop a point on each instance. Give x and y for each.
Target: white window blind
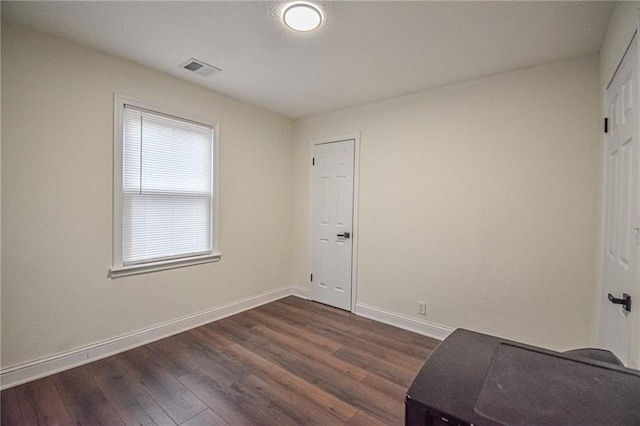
(167, 185)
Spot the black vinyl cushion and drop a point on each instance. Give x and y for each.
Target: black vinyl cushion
(525, 387)
(595, 354)
(475, 379)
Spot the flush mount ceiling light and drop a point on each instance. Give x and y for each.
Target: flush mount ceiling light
(302, 17)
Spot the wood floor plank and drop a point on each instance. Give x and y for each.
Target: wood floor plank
(176, 354)
(217, 341)
(300, 408)
(289, 362)
(236, 331)
(10, 408)
(393, 390)
(399, 335)
(369, 333)
(363, 419)
(344, 323)
(238, 403)
(84, 399)
(371, 362)
(339, 385)
(41, 403)
(327, 310)
(357, 323)
(321, 357)
(358, 344)
(206, 418)
(219, 398)
(126, 393)
(154, 373)
(385, 352)
(275, 372)
(258, 403)
(207, 356)
(286, 326)
(413, 350)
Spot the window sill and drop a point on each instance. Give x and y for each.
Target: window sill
(125, 271)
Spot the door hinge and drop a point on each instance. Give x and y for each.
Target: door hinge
(625, 301)
(311, 277)
(313, 161)
(606, 125)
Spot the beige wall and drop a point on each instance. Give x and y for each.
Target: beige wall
(480, 199)
(621, 28)
(57, 137)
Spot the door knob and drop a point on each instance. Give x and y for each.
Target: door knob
(625, 301)
(346, 235)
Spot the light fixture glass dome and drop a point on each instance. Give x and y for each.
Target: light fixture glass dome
(302, 17)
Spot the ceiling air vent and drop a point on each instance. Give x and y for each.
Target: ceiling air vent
(200, 67)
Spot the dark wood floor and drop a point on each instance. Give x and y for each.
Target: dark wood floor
(291, 362)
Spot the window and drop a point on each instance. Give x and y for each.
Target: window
(164, 190)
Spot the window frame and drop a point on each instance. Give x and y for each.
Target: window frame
(118, 269)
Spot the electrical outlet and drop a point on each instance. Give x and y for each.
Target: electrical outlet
(422, 308)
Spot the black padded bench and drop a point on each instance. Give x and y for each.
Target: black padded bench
(477, 379)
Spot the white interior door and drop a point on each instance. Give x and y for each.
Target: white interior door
(621, 221)
(332, 223)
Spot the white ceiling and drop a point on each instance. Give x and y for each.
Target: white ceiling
(365, 51)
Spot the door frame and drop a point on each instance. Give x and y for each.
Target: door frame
(355, 234)
(634, 344)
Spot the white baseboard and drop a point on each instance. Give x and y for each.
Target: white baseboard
(29, 371)
(425, 328)
(300, 291)
(33, 370)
